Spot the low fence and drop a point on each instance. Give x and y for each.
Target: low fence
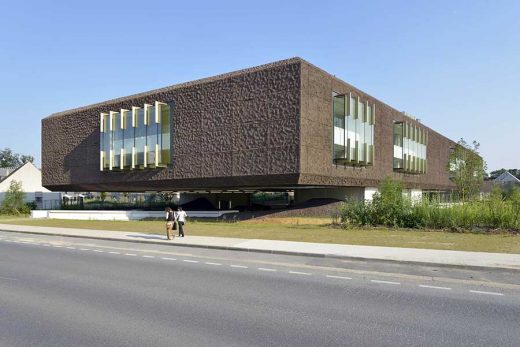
(119, 215)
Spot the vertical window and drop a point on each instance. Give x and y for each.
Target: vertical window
(165, 134)
(117, 135)
(398, 145)
(409, 148)
(128, 137)
(339, 126)
(136, 138)
(353, 133)
(152, 133)
(140, 139)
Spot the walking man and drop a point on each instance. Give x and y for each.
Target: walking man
(180, 217)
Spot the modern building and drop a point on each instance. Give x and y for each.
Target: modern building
(284, 126)
(31, 179)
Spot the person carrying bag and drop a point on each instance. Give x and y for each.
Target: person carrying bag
(170, 223)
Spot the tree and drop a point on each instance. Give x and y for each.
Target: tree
(466, 168)
(10, 159)
(14, 199)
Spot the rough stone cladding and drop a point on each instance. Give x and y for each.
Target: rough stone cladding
(234, 130)
(317, 167)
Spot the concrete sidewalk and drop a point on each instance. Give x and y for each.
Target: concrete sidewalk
(410, 255)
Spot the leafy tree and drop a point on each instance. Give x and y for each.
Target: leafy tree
(10, 159)
(103, 196)
(14, 199)
(467, 168)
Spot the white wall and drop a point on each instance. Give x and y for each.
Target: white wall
(369, 193)
(31, 178)
(118, 215)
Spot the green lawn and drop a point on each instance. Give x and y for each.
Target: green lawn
(306, 230)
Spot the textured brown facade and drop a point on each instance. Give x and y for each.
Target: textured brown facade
(317, 88)
(265, 128)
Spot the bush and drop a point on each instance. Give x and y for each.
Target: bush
(390, 208)
(14, 200)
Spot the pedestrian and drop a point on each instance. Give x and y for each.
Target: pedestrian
(170, 219)
(180, 216)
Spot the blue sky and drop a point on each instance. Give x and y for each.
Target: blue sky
(453, 64)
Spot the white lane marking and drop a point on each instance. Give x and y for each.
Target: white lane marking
(57, 246)
(300, 273)
(46, 245)
(239, 266)
(385, 282)
(486, 293)
(84, 249)
(114, 252)
(15, 241)
(266, 269)
(339, 277)
(210, 263)
(166, 258)
(433, 287)
(190, 261)
(131, 254)
(8, 241)
(71, 247)
(98, 250)
(8, 278)
(148, 256)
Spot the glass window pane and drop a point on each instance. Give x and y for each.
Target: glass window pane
(165, 135)
(152, 134)
(128, 137)
(117, 134)
(140, 138)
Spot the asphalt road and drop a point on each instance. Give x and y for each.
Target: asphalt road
(74, 292)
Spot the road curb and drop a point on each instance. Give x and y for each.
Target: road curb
(266, 251)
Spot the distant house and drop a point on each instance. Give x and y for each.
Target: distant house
(31, 178)
(506, 180)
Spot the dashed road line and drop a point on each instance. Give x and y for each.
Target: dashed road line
(485, 293)
(266, 269)
(239, 266)
(434, 287)
(98, 251)
(190, 261)
(166, 258)
(210, 263)
(112, 252)
(84, 249)
(148, 256)
(55, 246)
(300, 273)
(339, 277)
(71, 247)
(385, 282)
(131, 254)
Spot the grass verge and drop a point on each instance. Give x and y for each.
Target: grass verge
(311, 230)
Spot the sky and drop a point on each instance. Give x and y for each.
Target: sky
(453, 64)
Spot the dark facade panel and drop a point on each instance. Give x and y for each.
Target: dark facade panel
(317, 166)
(235, 126)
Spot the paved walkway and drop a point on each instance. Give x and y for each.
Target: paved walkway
(413, 255)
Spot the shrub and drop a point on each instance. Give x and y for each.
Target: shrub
(14, 200)
(390, 208)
